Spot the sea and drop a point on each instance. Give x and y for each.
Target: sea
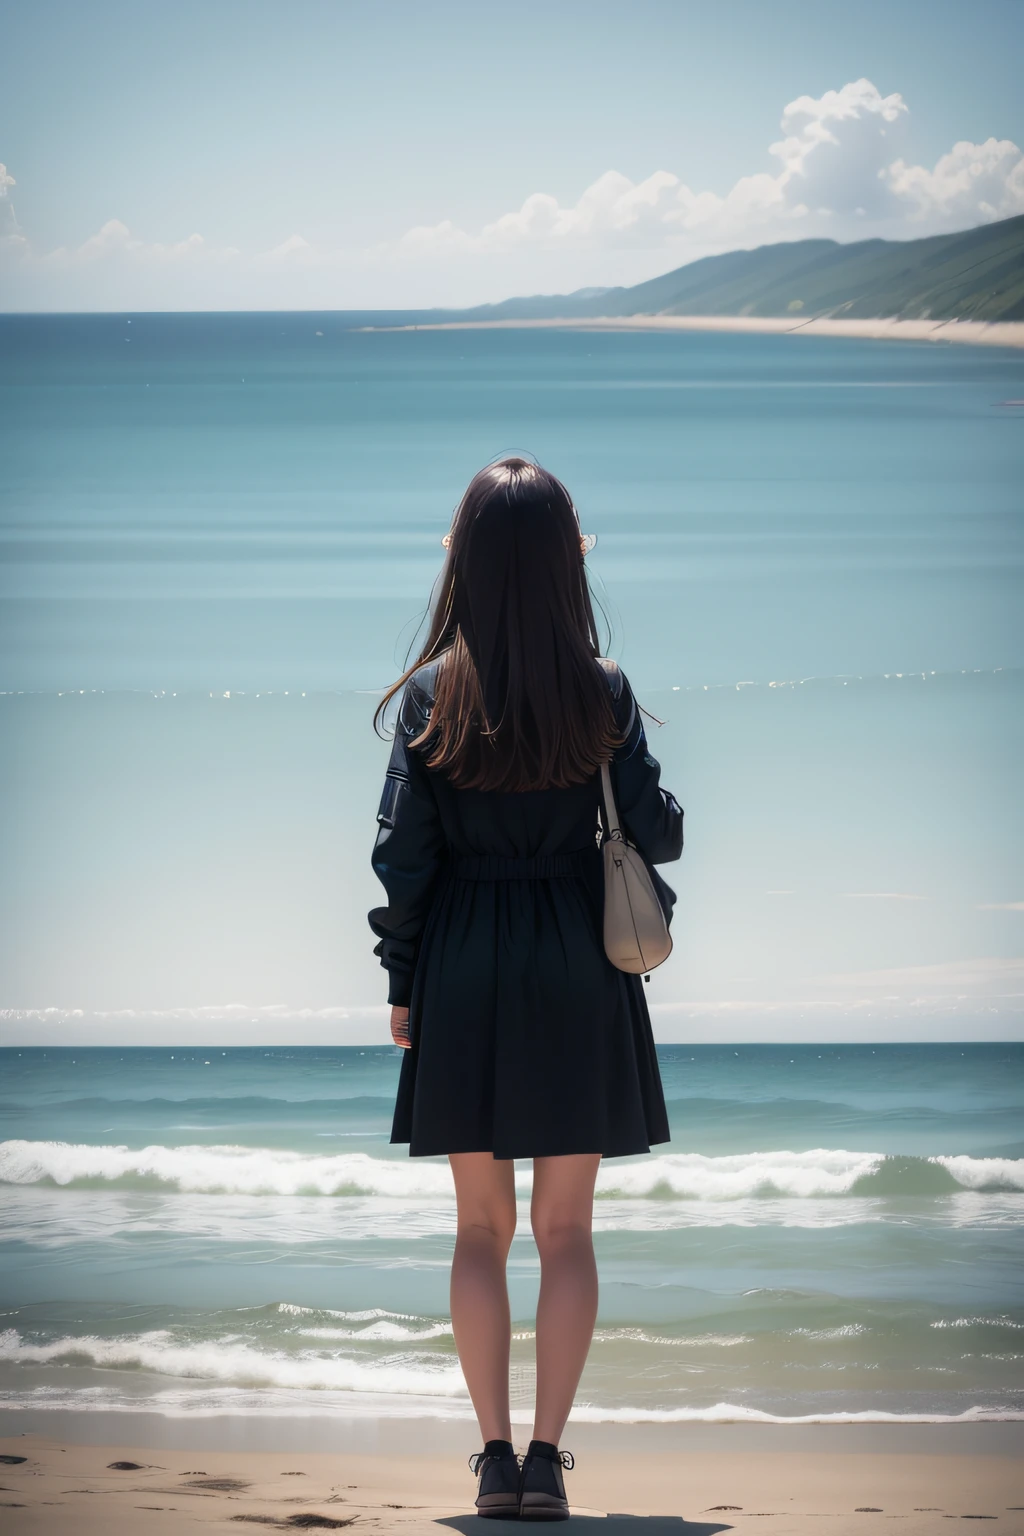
(834, 1233)
(218, 539)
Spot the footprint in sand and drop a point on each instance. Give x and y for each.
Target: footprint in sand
(304, 1522)
(313, 1522)
(219, 1484)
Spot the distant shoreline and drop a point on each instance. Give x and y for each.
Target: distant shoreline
(997, 333)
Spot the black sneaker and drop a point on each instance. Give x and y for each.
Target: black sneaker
(497, 1466)
(541, 1489)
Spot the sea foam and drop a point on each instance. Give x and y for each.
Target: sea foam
(195, 1402)
(228, 1360)
(238, 1170)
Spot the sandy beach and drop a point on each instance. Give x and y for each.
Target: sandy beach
(677, 1480)
(1009, 333)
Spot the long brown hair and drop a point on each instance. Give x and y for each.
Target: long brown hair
(519, 703)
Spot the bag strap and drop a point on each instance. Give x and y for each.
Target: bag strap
(611, 812)
(613, 827)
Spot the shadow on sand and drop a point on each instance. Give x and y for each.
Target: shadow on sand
(603, 1525)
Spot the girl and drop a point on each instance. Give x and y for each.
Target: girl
(521, 1039)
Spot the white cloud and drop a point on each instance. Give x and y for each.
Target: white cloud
(835, 148)
(839, 169)
(1001, 906)
(292, 249)
(840, 172)
(114, 269)
(612, 211)
(974, 181)
(115, 240)
(113, 236)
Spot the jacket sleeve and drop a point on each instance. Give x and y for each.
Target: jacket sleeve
(408, 853)
(651, 816)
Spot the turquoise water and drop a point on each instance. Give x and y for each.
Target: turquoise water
(223, 530)
(218, 538)
(237, 501)
(832, 1231)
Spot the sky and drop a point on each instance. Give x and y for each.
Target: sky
(334, 155)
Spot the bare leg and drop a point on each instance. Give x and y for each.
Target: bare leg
(486, 1197)
(562, 1217)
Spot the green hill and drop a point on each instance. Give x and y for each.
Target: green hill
(977, 274)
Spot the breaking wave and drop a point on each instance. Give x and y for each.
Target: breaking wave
(215, 1401)
(675, 1175)
(240, 1364)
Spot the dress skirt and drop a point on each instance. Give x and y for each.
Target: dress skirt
(526, 1040)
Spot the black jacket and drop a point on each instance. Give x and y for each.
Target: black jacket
(418, 827)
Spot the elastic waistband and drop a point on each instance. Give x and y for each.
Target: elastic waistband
(544, 866)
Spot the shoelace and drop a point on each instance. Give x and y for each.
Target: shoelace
(478, 1458)
(565, 1458)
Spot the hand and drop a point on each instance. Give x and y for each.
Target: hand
(400, 1027)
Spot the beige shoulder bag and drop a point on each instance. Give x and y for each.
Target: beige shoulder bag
(636, 936)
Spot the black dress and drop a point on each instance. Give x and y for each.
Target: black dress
(526, 1040)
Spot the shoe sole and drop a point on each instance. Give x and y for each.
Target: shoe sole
(498, 1506)
(542, 1506)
